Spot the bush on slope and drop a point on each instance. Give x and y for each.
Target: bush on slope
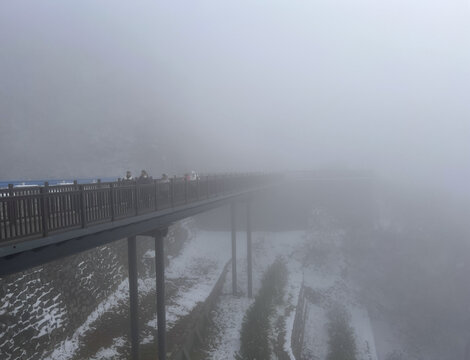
(341, 342)
(254, 335)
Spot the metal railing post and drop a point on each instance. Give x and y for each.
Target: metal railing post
(172, 192)
(12, 211)
(157, 190)
(99, 201)
(111, 200)
(207, 186)
(45, 208)
(185, 190)
(197, 188)
(249, 257)
(82, 206)
(234, 247)
(136, 197)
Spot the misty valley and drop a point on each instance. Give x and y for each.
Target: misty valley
(234, 180)
(340, 266)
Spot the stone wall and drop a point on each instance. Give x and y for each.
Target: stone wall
(42, 306)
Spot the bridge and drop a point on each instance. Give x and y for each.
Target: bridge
(44, 223)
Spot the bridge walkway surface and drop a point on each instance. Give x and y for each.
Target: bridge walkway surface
(75, 218)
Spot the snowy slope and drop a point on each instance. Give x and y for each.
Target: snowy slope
(329, 285)
(199, 265)
(229, 313)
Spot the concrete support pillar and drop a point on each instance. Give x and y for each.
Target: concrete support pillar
(234, 248)
(133, 296)
(249, 260)
(160, 277)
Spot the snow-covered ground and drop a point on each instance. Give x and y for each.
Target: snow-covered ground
(200, 264)
(230, 310)
(196, 270)
(67, 349)
(329, 286)
(330, 280)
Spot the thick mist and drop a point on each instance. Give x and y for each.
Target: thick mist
(93, 89)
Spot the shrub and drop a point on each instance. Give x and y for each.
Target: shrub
(254, 335)
(341, 342)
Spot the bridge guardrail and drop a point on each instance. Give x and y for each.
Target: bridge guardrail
(37, 211)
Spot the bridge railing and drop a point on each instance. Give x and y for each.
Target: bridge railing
(37, 211)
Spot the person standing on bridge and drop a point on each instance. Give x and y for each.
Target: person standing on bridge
(164, 188)
(145, 192)
(164, 179)
(144, 177)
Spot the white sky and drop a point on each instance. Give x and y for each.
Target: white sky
(236, 85)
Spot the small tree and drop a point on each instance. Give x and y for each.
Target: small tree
(341, 342)
(254, 335)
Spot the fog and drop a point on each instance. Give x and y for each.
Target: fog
(94, 88)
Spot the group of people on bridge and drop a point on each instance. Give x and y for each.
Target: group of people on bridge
(144, 177)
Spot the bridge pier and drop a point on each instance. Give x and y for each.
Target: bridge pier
(133, 296)
(234, 247)
(159, 236)
(249, 260)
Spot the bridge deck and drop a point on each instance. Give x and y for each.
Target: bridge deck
(41, 224)
(35, 212)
